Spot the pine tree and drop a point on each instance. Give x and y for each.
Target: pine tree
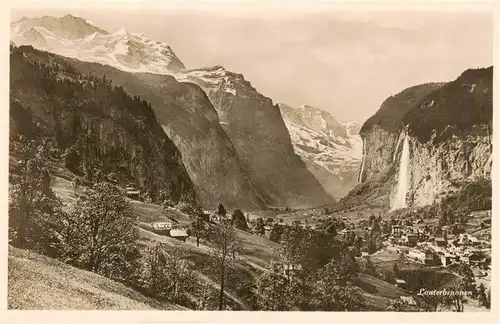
(481, 296)
(221, 211)
(239, 221)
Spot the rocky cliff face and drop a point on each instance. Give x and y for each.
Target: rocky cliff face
(109, 130)
(331, 152)
(438, 170)
(189, 119)
(255, 126)
(448, 131)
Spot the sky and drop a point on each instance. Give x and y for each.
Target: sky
(341, 60)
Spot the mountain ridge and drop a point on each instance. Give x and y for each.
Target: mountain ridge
(331, 150)
(448, 130)
(104, 127)
(252, 122)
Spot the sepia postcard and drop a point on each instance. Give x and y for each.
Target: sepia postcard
(278, 162)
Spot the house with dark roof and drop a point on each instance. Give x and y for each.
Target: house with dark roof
(440, 242)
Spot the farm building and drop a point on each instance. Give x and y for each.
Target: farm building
(132, 192)
(162, 228)
(396, 231)
(400, 283)
(179, 234)
(464, 239)
(410, 239)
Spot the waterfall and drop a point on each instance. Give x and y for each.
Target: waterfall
(401, 136)
(360, 176)
(402, 186)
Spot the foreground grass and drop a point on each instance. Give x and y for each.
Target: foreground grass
(39, 282)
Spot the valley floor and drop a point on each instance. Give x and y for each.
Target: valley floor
(39, 282)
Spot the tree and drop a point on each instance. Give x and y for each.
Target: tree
(371, 220)
(33, 207)
(204, 296)
(487, 303)
(76, 184)
(482, 297)
(276, 233)
(192, 209)
(72, 159)
(259, 227)
(443, 220)
(225, 244)
(198, 227)
(336, 290)
(168, 273)
(466, 281)
(395, 269)
(387, 276)
(238, 220)
(366, 266)
(271, 289)
(221, 211)
(331, 229)
(465, 284)
(99, 234)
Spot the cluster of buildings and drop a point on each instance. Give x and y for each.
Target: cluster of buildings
(168, 228)
(422, 248)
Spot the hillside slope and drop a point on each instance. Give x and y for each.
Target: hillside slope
(108, 131)
(254, 256)
(189, 119)
(255, 126)
(39, 282)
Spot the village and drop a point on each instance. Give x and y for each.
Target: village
(419, 243)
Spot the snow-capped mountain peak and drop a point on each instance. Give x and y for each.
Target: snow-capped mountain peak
(353, 127)
(123, 33)
(67, 27)
(332, 151)
(78, 38)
